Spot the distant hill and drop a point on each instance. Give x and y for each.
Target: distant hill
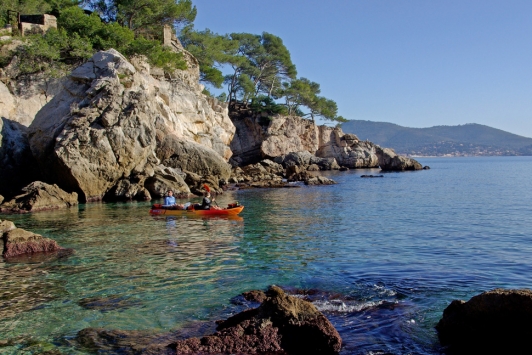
(469, 139)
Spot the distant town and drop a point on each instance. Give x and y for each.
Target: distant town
(453, 149)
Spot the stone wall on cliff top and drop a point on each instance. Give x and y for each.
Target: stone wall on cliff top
(260, 137)
(107, 121)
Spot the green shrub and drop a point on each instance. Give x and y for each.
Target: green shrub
(157, 54)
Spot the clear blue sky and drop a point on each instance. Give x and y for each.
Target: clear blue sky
(416, 63)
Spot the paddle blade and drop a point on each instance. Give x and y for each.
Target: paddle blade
(207, 187)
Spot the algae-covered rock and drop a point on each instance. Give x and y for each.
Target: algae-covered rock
(19, 241)
(280, 323)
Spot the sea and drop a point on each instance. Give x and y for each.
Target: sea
(380, 257)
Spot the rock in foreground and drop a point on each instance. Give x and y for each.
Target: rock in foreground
(39, 196)
(281, 323)
(18, 241)
(497, 321)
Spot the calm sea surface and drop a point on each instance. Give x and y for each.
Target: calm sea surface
(381, 257)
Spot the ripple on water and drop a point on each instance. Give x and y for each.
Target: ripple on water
(381, 257)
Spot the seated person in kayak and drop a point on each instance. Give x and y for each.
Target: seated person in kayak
(169, 202)
(206, 203)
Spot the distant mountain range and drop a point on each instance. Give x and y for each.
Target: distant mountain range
(464, 140)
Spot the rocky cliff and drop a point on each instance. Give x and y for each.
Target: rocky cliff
(117, 129)
(122, 129)
(262, 138)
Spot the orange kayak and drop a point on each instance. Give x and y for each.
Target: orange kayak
(232, 211)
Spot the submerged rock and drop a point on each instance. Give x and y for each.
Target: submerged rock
(110, 303)
(39, 196)
(497, 321)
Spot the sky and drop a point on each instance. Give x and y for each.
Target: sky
(416, 63)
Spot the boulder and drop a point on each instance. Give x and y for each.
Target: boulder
(190, 156)
(1, 199)
(319, 180)
(165, 179)
(19, 241)
(497, 321)
(112, 118)
(39, 196)
(346, 149)
(282, 323)
(390, 161)
(128, 189)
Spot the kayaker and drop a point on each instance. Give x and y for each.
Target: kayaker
(205, 203)
(169, 200)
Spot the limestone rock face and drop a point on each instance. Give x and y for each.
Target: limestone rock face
(497, 321)
(19, 241)
(39, 196)
(21, 100)
(105, 125)
(259, 137)
(390, 161)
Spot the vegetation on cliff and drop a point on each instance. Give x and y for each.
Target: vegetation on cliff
(256, 69)
(81, 33)
(260, 73)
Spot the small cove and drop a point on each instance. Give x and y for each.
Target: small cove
(385, 256)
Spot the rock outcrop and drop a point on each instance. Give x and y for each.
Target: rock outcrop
(280, 323)
(497, 321)
(39, 196)
(268, 173)
(260, 138)
(115, 122)
(389, 161)
(17, 241)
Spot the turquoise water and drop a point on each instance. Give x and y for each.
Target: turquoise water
(382, 257)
